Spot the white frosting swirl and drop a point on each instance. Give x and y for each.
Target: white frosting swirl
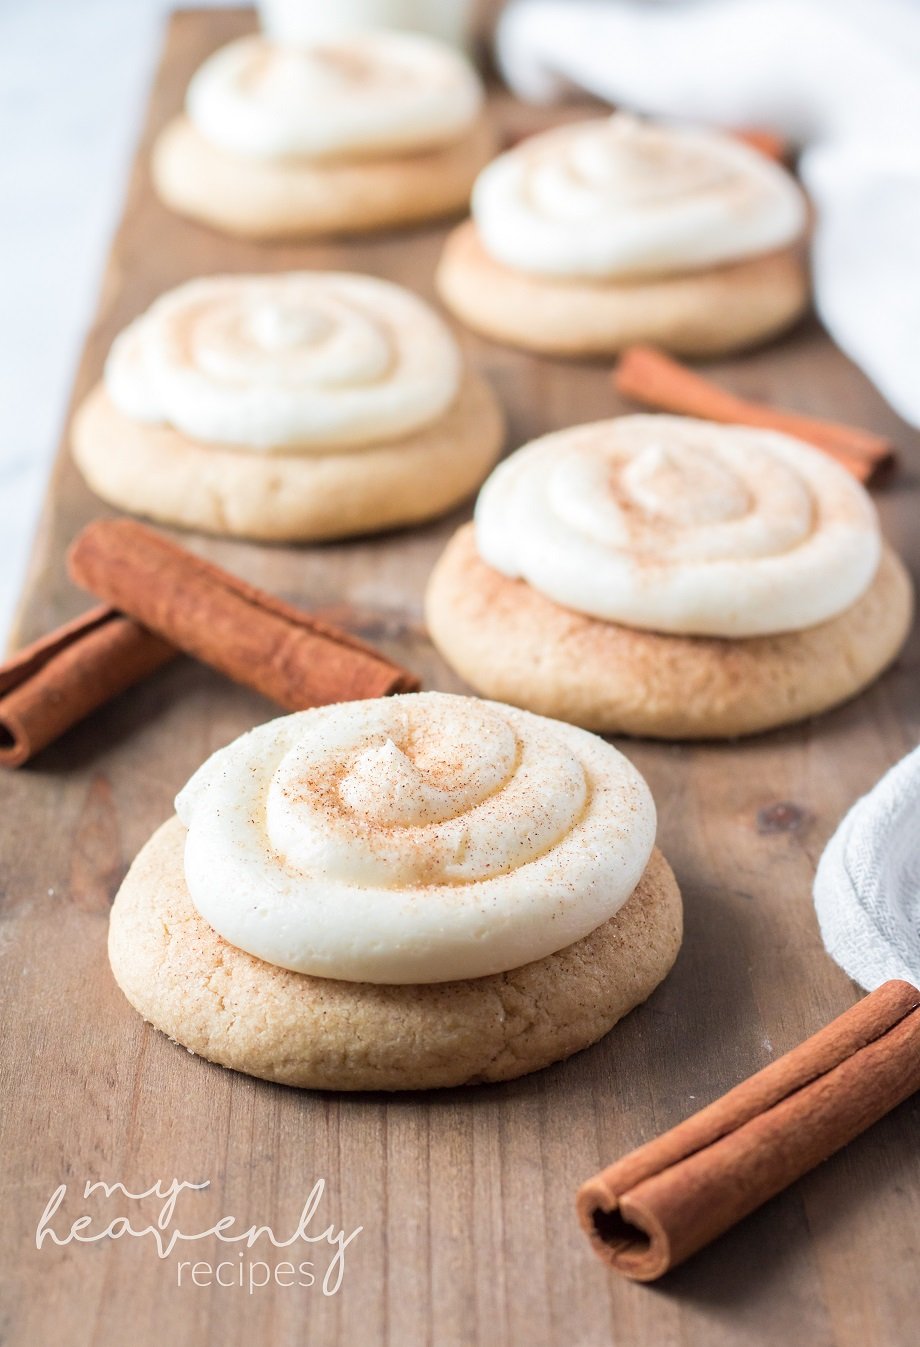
(617, 197)
(358, 95)
(681, 526)
(422, 838)
(305, 361)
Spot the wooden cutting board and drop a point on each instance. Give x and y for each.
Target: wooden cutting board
(465, 1197)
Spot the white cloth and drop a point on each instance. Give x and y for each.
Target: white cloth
(867, 888)
(838, 77)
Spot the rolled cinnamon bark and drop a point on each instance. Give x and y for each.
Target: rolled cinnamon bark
(767, 142)
(658, 1205)
(244, 632)
(60, 679)
(646, 375)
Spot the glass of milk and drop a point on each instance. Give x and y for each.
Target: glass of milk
(299, 22)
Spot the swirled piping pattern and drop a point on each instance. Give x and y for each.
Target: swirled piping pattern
(303, 361)
(621, 198)
(422, 838)
(681, 526)
(360, 96)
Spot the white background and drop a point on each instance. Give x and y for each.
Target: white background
(74, 77)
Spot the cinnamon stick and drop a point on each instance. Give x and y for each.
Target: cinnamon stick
(656, 380)
(55, 682)
(658, 1205)
(767, 142)
(253, 638)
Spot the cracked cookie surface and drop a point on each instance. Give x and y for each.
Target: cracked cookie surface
(159, 473)
(318, 1033)
(513, 644)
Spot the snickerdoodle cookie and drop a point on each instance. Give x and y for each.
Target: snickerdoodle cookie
(298, 407)
(423, 891)
(349, 134)
(666, 577)
(595, 236)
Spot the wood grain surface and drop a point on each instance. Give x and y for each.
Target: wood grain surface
(466, 1197)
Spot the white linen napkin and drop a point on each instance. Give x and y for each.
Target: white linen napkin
(838, 77)
(867, 888)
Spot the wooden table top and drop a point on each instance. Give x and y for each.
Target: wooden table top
(466, 1196)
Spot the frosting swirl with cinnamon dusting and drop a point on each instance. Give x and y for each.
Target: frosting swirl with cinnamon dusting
(424, 838)
(682, 526)
(617, 197)
(359, 95)
(303, 361)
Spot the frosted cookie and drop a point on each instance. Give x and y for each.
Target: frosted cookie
(421, 891)
(295, 407)
(353, 133)
(660, 576)
(595, 236)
